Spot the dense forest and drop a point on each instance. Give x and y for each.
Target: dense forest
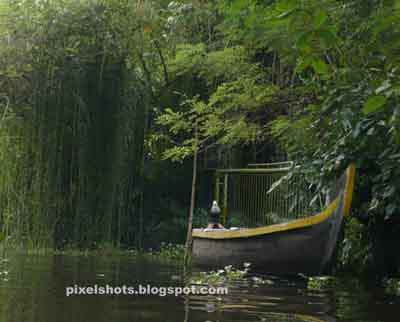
(104, 104)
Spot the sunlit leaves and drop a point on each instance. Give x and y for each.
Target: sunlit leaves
(373, 104)
(320, 66)
(304, 41)
(224, 120)
(383, 87)
(188, 58)
(227, 64)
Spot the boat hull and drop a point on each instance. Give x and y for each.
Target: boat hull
(286, 252)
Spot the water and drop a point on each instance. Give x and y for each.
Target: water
(33, 288)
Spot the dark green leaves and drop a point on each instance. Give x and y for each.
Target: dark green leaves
(305, 39)
(328, 37)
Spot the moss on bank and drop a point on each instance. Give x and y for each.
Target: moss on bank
(167, 251)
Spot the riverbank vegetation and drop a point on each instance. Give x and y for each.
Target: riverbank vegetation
(228, 275)
(166, 253)
(103, 104)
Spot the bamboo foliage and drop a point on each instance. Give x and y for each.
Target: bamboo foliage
(71, 138)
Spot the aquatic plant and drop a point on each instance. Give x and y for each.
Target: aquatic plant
(228, 274)
(319, 283)
(167, 251)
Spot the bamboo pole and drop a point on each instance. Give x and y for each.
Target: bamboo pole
(225, 198)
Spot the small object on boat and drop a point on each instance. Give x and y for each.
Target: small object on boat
(213, 229)
(214, 220)
(215, 209)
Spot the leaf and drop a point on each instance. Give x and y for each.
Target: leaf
(385, 85)
(319, 19)
(389, 192)
(371, 131)
(285, 14)
(275, 185)
(328, 37)
(373, 104)
(357, 130)
(320, 66)
(304, 40)
(303, 64)
(390, 209)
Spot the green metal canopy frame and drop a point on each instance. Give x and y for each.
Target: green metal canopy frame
(263, 194)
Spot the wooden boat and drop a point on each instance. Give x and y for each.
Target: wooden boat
(306, 245)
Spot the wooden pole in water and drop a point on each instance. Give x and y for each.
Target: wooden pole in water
(188, 250)
(225, 219)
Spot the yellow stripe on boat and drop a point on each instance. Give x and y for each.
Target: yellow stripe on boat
(348, 196)
(308, 318)
(250, 232)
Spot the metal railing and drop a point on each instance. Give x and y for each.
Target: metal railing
(273, 165)
(262, 195)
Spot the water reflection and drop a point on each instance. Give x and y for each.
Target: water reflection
(32, 289)
(283, 301)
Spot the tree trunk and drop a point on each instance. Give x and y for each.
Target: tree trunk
(188, 250)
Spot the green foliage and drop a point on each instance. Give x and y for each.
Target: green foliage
(354, 109)
(355, 253)
(94, 94)
(188, 59)
(74, 117)
(320, 77)
(392, 286)
(228, 113)
(373, 104)
(320, 283)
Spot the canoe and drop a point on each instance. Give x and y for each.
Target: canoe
(306, 245)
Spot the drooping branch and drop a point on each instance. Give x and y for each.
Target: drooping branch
(164, 65)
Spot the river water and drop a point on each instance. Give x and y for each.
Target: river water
(34, 288)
